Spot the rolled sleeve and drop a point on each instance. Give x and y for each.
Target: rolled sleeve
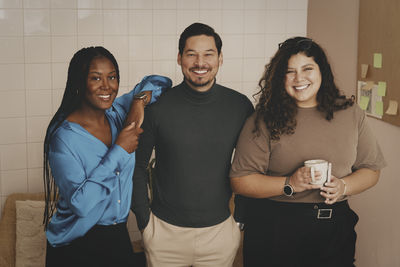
(369, 154)
(252, 151)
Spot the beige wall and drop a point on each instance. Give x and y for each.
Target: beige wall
(334, 24)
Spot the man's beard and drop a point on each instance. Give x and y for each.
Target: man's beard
(198, 84)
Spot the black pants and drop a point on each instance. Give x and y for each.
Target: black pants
(104, 246)
(292, 235)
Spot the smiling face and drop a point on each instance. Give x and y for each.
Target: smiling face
(200, 62)
(303, 80)
(101, 84)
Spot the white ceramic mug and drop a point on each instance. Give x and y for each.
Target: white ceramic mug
(323, 166)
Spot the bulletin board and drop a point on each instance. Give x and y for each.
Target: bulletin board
(378, 65)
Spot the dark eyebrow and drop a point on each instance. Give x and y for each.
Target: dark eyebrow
(98, 73)
(306, 65)
(208, 50)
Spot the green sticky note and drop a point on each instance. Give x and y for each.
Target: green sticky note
(364, 100)
(381, 88)
(379, 108)
(377, 60)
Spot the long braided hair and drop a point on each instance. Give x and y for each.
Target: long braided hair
(276, 107)
(73, 95)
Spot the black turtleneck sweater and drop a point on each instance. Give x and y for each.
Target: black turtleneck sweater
(194, 134)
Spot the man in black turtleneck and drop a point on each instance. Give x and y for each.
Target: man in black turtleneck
(193, 127)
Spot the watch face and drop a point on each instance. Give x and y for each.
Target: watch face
(288, 190)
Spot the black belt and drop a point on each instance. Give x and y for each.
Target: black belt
(319, 211)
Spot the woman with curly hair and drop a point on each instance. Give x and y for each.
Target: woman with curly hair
(301, 116)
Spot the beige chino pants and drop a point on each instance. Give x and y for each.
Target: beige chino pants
(167, 245)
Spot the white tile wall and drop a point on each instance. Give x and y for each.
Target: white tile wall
(140, 22)
(37, 49)
(63, 4)
(38, 39)
(140, 4)
(11, 50)
(13, 156)
(115, 4)
(11, 105)
(12, 22)
(233, 4)
(36, 128)
(36, 21)
(211, 4)
(13, 131)
(38, 76)
(11, 4)
(12, 77)
(63, 22)
(254, 21)
(63, 47)
(35, 180)
(38, 103)
(115, 22)
(188, 4)
(35, 155)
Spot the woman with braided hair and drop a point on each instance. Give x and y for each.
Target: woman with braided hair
(89, 158)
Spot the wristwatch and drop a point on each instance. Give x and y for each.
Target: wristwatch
(287, 188)
(141, 96)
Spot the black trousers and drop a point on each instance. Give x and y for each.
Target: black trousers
(292, 235)
(104, 246)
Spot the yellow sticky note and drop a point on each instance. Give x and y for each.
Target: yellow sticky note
(379, 108)
(392, 109)
(381, 88)
(364, 100)
(377, 60)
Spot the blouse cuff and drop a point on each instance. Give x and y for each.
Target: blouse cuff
(155, 83)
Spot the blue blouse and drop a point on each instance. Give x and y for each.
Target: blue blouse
(94, 181)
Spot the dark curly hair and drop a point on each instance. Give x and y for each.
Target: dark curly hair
(73, 95)
(276, 107)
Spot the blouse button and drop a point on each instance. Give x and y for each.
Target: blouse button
(117, 172)
(119, 201)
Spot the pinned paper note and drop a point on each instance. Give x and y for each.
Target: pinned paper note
(392, 109)
(364, 100)
(377, 60)
(368, 85)
(364, 70)
(379, 108)
(381, 88)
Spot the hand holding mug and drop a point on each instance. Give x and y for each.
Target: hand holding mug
(332, 190)
(301, 180)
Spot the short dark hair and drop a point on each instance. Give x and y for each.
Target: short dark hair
(74, 93)
(199, 29)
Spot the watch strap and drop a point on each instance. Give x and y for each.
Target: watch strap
(142, 96)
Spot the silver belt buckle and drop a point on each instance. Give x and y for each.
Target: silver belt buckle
(324, 213)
